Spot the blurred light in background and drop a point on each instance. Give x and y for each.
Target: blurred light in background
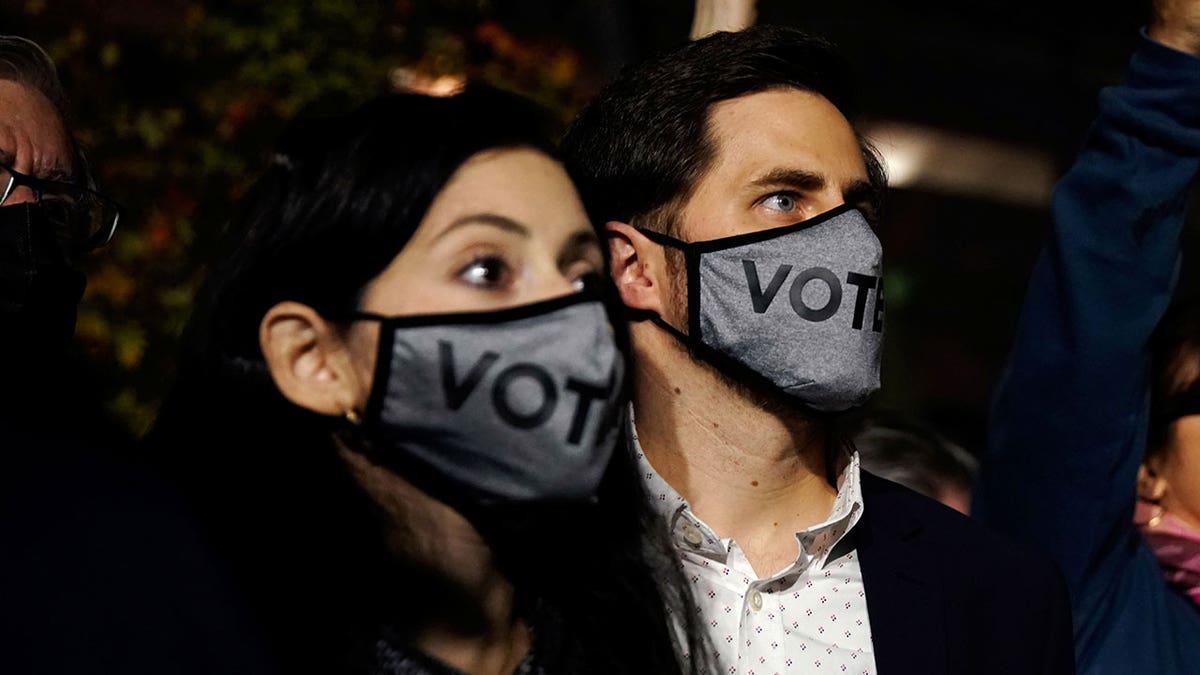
(926, 158)
(409, 79)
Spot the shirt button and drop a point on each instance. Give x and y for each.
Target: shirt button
(692, 535)
(755, 600)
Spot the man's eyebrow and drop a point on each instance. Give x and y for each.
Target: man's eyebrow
(861, 194)
(794, 178)
(54, 173)
(494, 220)
(57, 174)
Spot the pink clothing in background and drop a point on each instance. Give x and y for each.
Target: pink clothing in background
(1176, 546)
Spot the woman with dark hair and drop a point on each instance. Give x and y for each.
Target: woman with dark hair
(398, 409)
(1168, 481)
(1094, 446)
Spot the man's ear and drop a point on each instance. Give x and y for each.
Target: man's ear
(638, 267)
(308, 359)
(1151, 485)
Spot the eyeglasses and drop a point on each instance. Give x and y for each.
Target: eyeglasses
(82, 218)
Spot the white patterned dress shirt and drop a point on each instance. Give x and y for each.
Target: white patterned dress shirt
(810, 617)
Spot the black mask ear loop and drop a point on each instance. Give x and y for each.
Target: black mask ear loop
(691, 259)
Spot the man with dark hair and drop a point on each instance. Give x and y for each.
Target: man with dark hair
(738, 200)
(24, 64)
(101, 569)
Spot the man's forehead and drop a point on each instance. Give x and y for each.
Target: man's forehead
(784, 129)
(32, 136)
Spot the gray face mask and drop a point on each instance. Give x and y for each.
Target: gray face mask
(484, 408)
(798, 308)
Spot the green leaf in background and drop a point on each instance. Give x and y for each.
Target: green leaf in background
(179, 102)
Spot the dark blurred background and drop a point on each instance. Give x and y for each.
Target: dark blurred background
(976, 106)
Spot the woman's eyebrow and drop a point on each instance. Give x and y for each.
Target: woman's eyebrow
(495, 220)
(583, 238)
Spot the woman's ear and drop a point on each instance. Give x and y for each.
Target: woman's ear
(1151, 486)
(309, 359)
(638, 268)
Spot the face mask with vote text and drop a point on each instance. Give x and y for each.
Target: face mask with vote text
(510, 406)
(799, 308)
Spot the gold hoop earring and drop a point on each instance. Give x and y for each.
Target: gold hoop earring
(1157, 517)
(352, 417)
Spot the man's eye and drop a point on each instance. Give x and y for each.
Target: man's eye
(487, 272)
(782, 202)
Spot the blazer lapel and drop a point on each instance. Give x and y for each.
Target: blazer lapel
(905, 599)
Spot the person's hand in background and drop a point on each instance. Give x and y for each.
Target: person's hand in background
(733, 15)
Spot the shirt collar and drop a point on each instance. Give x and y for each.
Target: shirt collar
(688, 532)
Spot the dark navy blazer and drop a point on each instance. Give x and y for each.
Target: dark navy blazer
(946, 596)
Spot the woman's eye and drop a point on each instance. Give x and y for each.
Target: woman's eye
(586, 280)
(585, 272)
(782, 202)
(486, 272)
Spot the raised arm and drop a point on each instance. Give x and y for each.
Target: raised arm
(1069, 423)
(717, 15)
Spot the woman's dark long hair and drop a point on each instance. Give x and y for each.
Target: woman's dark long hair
(341, 198)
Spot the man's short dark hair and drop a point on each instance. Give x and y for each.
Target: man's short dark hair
(24, 62)
(643, 143)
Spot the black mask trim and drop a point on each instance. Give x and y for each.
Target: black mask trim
(588, 294)
(733, 241)
(691, 340)
(389, 324)
(359, 437)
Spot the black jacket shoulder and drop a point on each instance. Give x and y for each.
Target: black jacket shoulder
(947, 595)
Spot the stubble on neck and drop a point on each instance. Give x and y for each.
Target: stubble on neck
(750, 463)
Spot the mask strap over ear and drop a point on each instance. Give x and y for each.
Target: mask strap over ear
(691, 258)
(662, 239)
(672, 242)
(673, 331)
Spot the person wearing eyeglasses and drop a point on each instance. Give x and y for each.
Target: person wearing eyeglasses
(101, 569)
(81, 218)
(50, 212)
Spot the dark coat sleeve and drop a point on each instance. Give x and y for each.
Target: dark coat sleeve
(1070, 416)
